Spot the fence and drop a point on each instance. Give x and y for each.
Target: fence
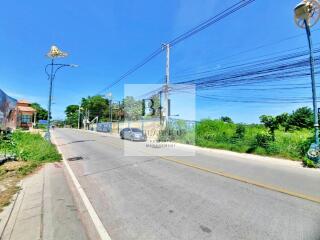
(151, 127)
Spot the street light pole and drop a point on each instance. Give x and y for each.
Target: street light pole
(79, 116)
(313, 83)
(49, 102)
(306, 15)
(54, 52)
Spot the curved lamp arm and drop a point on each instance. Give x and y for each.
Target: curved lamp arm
(59, 66)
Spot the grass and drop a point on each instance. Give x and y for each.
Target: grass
(30, 151)
(34, 148)
(253, 138)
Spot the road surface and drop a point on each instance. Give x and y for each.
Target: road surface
(211, 195)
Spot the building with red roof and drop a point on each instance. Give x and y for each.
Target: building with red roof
(22, 116)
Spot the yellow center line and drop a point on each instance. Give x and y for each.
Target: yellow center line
(247, 181)
(235, 177)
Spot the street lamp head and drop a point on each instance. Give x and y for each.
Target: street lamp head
(307, 11)
(55, 52)
(73, 65)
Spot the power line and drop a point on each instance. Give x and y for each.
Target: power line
(261, 101)
(132, 70)
(262, 71)
(281, 67)
(232, 99)
(237, 6)
(251, 50)
(215, 69)
(252, 64)
(228, 11)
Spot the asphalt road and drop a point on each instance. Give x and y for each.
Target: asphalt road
(211, 195)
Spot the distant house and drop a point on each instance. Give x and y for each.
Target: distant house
(23, 116)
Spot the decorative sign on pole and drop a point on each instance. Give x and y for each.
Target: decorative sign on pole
(43, 122)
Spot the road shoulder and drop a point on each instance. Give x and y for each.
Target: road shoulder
(44, 208)
(235, 155)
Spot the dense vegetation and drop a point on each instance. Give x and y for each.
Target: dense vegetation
(285, 135)
(97, 106)
(42, 114)
(253, 139)
(30, 148)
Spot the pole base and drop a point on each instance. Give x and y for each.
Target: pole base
(314, 153)
(47, 137)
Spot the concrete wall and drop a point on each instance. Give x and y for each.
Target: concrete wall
(150, 127)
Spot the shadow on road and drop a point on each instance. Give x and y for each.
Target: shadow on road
(79, 141)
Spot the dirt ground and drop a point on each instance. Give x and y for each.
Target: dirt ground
(9, 179)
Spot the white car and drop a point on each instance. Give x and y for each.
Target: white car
(133, 134)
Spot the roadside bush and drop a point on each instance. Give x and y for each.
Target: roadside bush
(7, 145)
(188, 137)
(33, 147)
(263, 139)
(305, 145)
(308, 163)
(293, 144)
(215, 131)
(240, 131)
(178, 131)
(253, 138)
(170, 134)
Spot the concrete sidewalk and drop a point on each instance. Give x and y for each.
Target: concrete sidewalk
(44, 208)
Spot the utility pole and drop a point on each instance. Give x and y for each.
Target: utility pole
(306, 15)
(109, 96)
(54, 53)
(110, 110)
(49, 102)
(166, 84)
(313, 84)
(79, 116)
(119, 116)
(119, 111)
(88, 120)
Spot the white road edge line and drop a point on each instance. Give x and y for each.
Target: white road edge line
(94, 216)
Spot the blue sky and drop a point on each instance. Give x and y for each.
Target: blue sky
(106, 38)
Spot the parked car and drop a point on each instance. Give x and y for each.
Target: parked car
(133, 134)
(123, 131)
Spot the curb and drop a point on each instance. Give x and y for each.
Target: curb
(99, 227)
(7, 212)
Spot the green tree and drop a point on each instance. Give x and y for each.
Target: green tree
(301, 118)
(132, 108)
(282, 120)
(97, 107)
(42, 114)
(240, 131)
(270, 123)
(226, 119)
(72, 113)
